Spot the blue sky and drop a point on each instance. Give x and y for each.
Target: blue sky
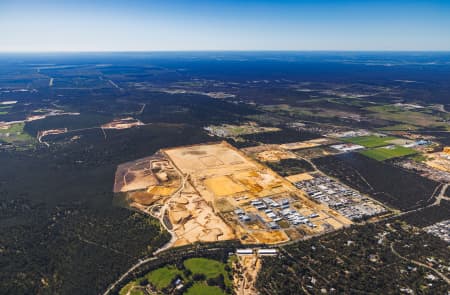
(147, 25)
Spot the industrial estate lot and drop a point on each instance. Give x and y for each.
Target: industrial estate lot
(223, 195)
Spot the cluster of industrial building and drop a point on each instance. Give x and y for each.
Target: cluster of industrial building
(347, 147)
(440, 230)
(347, 134)
(276, 211)
(350, 203)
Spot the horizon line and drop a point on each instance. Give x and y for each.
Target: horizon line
(227, 50)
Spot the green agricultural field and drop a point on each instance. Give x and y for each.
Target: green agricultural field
(4, 109)
(421, 118)
(15, 133)
(162, 277)
(210, 268)
(399, 127)
(370, 141)
(202, 289)
(383, 153)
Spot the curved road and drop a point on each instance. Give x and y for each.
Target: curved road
(141, 262)
(441, 275)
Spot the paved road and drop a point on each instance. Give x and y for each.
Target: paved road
(141, 262)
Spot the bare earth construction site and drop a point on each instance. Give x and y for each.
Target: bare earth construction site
(214, 192)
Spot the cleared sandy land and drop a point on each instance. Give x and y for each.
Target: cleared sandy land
(268, 153)
(305, 144)
(124, 123)
(299, 177)
(208, 159)
(134, 176)
(161, 190)
(228, 180)
(439, 161)
(244, 279)
(194, 220)
(146, 173)
(274, 155)
(224, 186)
(143, 198)
(271, 237)
(198, 189)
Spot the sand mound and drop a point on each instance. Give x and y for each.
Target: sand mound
(143, 198)
(182, 201)
(177, 217)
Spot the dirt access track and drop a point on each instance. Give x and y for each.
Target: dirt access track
(216, 185)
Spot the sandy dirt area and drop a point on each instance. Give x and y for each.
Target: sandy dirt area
(305, 144)
(143, 198)
(299, 177)
(440, 161)
(220, 158)
(224, 186)
(134, 175)
(271, 237)
(274, 155)
(194, 220)
(124, 123)
(200, 188)
(268, 153)
(229, 179)
(160, 190)
(246, 272)
(154, 172)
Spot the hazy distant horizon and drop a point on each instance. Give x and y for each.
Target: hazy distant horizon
(223, 51)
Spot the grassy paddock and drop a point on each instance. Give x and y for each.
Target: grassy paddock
(383, 153)
(202, 289)
(15, 133)
(210, 268)
(162, 277)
